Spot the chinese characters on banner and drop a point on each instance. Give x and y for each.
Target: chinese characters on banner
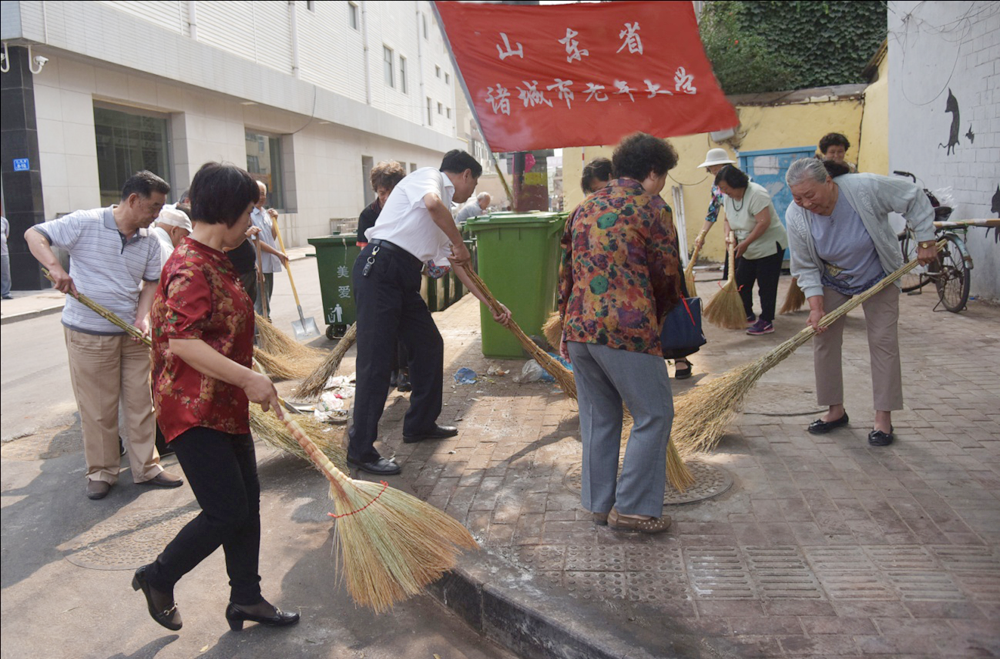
(554, 76)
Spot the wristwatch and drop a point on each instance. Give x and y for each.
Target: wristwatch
(926, 244)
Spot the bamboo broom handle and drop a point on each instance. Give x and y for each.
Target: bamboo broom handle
(731, 240)
(281, 244)
(689, 270)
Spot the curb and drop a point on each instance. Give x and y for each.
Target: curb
(510, 607)
(28, 315)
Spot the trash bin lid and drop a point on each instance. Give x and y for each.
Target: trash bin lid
(507, 219)
(333, 239)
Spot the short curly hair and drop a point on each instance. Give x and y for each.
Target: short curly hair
(386, 175)
(639, 155)
(598, 169)
(833, 139)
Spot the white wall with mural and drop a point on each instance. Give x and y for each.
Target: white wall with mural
(944, 113)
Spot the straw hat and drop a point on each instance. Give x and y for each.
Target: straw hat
(716, 157)
(173, 217)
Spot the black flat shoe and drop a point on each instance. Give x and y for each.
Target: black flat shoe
(237, 616)
(821, 427)
(682, 373)
(380, 467)
(879, 438)
(169, 617)
(404, 382)
(437, 432)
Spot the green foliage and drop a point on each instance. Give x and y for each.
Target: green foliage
(767, 45)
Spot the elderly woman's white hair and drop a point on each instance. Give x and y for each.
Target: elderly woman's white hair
(806, 169)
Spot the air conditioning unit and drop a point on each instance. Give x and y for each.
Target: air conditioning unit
(719, 135)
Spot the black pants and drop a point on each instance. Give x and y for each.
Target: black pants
(390, 309)
(222, 471)
(765, 272)
(249, 281)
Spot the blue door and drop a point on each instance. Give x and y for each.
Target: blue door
(768, 167)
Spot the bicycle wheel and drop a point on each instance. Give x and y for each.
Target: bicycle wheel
(916, 278)
(955, 277)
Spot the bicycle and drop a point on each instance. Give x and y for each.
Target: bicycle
(951, 273)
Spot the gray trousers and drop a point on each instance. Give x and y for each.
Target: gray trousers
(605, 378)
(881, 318)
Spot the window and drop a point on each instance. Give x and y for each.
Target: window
(352, 14)
(390, 79)
(430, 113)
(437, 71)
(128, 142)
(448, 112)
(447, 78)
(423, 17)
(310, 5)
(402, 75)
(264, 164)
(413, 166)
(440, 109)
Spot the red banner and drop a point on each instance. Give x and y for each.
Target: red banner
(552, 76)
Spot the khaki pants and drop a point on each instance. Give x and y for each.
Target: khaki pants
(102, 368)
(881, 318)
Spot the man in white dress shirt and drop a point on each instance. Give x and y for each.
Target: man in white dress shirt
(415, 226)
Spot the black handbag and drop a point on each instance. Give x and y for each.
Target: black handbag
(682, 326)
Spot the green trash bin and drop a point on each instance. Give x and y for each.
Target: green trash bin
(335, 257)
(519, 262)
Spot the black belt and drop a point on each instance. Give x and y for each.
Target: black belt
(392, 248)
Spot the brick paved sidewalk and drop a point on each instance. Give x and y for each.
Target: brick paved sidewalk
(823, 546)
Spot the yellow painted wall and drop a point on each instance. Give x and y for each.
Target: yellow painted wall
(793, 125)
(873, 153)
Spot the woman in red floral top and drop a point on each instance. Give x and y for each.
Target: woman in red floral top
(203, 325)
(620, 276)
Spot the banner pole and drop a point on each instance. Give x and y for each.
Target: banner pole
(472, 106)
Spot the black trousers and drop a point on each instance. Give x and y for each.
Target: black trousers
(222, 471)
(765, 272)
(390, 309)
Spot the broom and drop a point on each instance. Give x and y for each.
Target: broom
(314, 383)
(794, 298)
(267, 432)
(277, 343)
(390, 543)
(725, 309)
(702, 414)
(689, 283)
(552, 330)
(281, 368)
(677, 472)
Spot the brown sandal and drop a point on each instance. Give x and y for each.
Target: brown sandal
(653, 525)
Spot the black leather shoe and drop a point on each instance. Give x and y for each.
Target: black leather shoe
(380, 467)
(404, 382)
(879, 438)
(236, 616)
(169, 617)
(821, 427)
(437, 432)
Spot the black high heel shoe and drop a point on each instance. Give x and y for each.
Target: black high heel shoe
(237, 616)
(169, 617)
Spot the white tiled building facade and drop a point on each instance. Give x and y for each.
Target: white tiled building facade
(310, 94)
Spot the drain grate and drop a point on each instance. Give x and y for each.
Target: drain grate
(709, 481)
(128, 541)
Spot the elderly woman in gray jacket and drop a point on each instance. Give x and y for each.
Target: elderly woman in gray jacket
(841, 244)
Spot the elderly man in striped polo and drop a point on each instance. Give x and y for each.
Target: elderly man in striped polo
(116, 262)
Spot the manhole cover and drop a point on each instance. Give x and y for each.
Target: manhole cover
(709, 481)
(128, 541)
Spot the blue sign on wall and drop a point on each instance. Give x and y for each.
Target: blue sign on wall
(20, 164)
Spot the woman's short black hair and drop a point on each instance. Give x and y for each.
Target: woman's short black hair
(733, 177)
(598, 169)
(457, 161)
(221, 193)
(639, 155)
(833, 139)
(835, 169)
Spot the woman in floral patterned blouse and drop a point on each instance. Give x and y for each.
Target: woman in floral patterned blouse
(203, 324)
(620, 276)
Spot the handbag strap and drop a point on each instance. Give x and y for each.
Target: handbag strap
(688, 309)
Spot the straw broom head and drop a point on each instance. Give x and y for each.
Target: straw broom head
(390, 543)
(725, 309)
(552, 329)
(702, 415)
(269, 429)
(279, 344)
(314, 383)
(281, 368)
(794, 298)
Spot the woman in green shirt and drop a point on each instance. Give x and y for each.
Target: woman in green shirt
(760, 248)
